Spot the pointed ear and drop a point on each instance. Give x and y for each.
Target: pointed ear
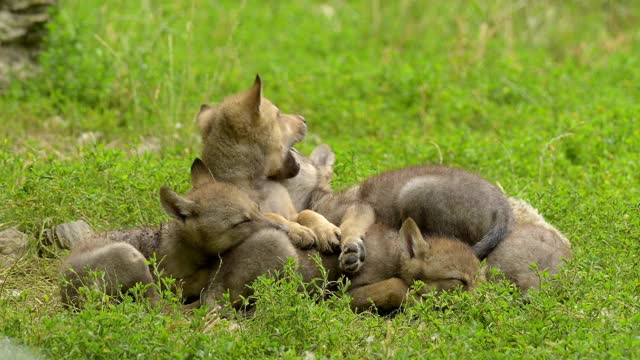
(175, 205)
(253, 97)
(323, 156)
(411, 238)
(200, 174)
(202, 120)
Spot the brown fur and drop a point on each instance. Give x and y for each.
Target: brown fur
(532, 241)
(396, 260)
(246, 142)
(210, 219)
(246, 138)
(440, 262)
(444, 201)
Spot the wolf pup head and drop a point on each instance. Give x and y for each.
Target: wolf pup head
(247, 137)
(316, 174)
(214, 216)
(441, 263)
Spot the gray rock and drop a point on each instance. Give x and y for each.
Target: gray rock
(11, 350)
(24, 5)
(67, 235)
(13, 244)
(22, 29)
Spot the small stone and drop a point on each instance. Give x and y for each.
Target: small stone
(67, 235)
(13, 244)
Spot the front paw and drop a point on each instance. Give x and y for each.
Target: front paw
(328, 236)
(352, 256)
(302, 236)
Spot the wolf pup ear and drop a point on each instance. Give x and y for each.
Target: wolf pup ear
(323, 156)
(175, 205)
(202, 119)
(412, 239)
(200, 174)
(253, 97)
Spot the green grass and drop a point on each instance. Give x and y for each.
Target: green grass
(542, 97)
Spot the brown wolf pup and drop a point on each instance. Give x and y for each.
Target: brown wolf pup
(443, 201)
(395, 260)
(531, 241)
(246, 141)
(210, 219)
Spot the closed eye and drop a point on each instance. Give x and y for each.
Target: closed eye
(462, 282)
(244, 221)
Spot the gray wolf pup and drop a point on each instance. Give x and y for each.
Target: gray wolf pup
(395, 261)
(443, 201)
(209, 220)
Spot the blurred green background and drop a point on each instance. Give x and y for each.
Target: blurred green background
(541, 97)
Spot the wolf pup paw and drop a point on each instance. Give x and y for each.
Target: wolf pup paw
(302, 236)
(328, 237)
(352, 256)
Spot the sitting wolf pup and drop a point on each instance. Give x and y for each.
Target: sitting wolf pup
(443, 201)
(395, 260)
(246, 141)
(210, 219)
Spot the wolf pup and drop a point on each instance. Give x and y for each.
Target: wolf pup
(443, 201)
(209, 220)
(246, 141)
(531, 241)
(395, 261)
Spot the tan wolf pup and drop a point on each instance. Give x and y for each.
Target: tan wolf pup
(395, 260)
(531, 241)
(210, 219)
(246, 142)
(443, 201)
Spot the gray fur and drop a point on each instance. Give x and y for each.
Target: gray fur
(443, 201)
(212, 218)
(383, 281)
(532, 241)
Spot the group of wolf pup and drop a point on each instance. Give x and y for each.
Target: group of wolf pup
(256, 201)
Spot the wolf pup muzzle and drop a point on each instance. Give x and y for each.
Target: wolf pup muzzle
(289, 169)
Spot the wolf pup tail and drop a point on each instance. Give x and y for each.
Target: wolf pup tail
(501, 225)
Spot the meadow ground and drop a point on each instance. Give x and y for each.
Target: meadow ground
(542, 97)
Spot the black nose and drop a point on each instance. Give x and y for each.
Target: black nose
(204, 107)
(302, 118)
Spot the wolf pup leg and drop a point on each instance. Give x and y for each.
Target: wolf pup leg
(384, 296)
